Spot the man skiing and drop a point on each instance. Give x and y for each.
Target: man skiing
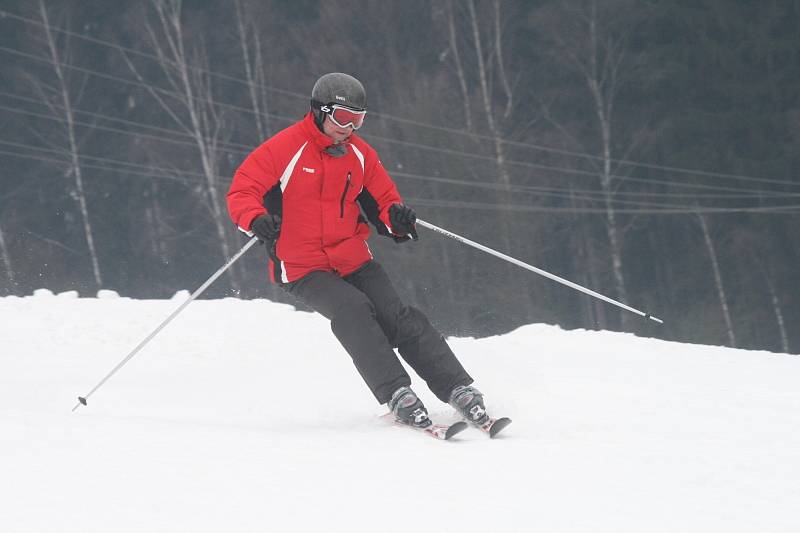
(307, 193)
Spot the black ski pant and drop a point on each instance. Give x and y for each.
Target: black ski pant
(370, 320)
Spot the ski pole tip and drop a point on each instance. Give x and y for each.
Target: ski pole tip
(653, 318)
(81, 401)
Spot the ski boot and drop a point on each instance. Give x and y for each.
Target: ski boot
(408, 409)
(468, 401)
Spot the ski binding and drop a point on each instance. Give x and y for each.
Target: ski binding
(437, 431)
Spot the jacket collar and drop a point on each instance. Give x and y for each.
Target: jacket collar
(313, 132)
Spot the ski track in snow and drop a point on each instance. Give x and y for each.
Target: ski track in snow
(248, 416)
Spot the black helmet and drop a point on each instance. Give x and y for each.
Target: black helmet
(337, 88)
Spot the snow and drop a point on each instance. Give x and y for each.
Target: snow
(248, 416)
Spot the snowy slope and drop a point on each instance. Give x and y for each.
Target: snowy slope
(217, 426)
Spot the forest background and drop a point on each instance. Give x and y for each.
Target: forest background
(646, 149)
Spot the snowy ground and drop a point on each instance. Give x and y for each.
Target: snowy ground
(217, 426)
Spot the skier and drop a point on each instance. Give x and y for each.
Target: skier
(306, 192)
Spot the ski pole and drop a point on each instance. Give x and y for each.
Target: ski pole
(195, 294)
(537, 270)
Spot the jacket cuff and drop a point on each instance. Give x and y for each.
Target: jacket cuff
(384, 217)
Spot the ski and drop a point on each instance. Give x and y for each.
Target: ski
(437, 431)
(493, 426)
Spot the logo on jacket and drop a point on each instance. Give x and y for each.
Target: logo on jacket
(309, 170)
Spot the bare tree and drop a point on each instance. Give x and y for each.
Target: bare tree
(486, 94)
(254, 68)
(760, 250)
(192, 108)
(720, 286)
(6, 259)
(778, 311)
(454, 50)
(155, 224)
(501, 66)
(474, 36)
(603, 82)
(587, 44)
(779, 315)
(60, 99)
(484, 34)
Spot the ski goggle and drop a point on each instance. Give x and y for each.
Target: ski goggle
(344, 116)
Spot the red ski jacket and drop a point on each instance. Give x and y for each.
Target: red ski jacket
(319, 198)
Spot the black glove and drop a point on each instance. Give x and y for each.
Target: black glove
(266, 227)
(402, 219)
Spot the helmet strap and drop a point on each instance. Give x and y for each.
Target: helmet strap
(319, 116)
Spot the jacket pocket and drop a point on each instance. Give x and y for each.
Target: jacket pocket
(344, 195)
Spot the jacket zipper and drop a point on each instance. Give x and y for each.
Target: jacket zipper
(344, 194)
